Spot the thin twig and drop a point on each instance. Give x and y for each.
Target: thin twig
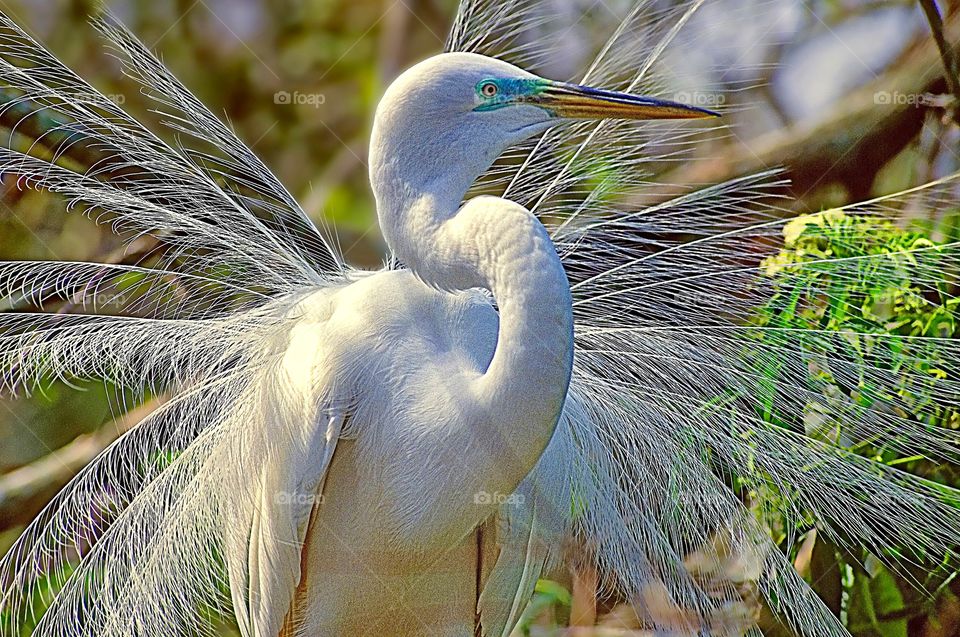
(946, 50)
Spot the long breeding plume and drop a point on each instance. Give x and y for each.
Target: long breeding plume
(673, 381)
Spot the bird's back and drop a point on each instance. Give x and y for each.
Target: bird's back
(395, 352)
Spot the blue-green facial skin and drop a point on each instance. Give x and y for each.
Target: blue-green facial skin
(509, 91)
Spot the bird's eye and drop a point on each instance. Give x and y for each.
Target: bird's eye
(489, 89)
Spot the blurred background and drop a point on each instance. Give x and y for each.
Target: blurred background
(847, 95)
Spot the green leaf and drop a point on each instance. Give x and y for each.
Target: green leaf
(876, 604)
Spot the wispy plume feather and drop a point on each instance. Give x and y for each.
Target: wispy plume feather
(671, 381)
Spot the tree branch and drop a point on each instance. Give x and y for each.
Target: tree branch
(947, 55)
(860, 135)
(26, 490)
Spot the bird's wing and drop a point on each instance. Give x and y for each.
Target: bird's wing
(530, 530)
(138, 542)
(285, 455)
(213, 210)
(519, 564)
(200, 510)
(264, 562)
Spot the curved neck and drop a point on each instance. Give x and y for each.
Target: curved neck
(498, 245)
(511, 254)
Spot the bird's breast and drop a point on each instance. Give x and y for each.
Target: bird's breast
(403, 354)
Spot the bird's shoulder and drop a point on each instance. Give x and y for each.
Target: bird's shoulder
(391, 318)
(492, 204)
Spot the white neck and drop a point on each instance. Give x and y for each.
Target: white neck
(498, 245)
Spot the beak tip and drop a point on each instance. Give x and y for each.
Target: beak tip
(703, 113)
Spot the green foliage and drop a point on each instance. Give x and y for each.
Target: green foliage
(550, 600)
(865, 279)
(861, 276)
(862, 292)
(876, 606)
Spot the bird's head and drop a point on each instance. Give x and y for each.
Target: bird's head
(443, 122)
(463, 110)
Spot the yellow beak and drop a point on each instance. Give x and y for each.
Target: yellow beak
(583, 102)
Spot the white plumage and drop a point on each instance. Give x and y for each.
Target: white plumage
(335, 438)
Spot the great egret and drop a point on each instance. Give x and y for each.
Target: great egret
(335, 438)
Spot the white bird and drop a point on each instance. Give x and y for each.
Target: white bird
(336, 438)
(445, 398)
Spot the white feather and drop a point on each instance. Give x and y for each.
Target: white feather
(176, 520)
